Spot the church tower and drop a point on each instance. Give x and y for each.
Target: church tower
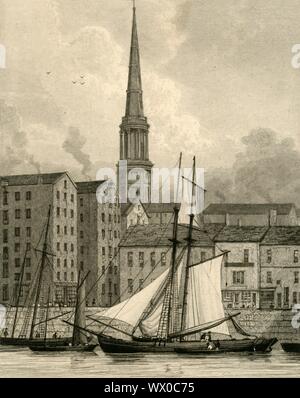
(134, 129)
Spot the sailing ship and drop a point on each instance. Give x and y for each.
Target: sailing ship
(173, 313)
(29, 335)
(79, 337)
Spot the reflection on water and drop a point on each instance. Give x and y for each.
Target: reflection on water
(21, 362)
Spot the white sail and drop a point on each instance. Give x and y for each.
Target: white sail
(131, 310)
(204, 300)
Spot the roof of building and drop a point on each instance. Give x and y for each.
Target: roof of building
(212, 229)
(89, 186)
(151, 208)
(298, 212)
(153, 235)
(241, 234)
(33, 179)
(248, 208)
(282, 236)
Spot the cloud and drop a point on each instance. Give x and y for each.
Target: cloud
(267, 170)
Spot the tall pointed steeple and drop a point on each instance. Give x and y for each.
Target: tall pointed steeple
(134, 129)
(134, 104)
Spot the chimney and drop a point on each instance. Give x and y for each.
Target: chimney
(227, 220)
(273, 217)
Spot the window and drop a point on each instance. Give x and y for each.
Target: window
(269, 256)
(58, 211)
(296, 277)
(65, 184)
(81, 249)
(110, 270)
(103, 217)
(58, 229)
(115, 234)
(28, 232)
(246, 255)
(246, 296)
(5, 272)
(65, 247)
(141, 259)
(58, 276)
(28, 262)
(17, 232)
(17, 247)
(109, 218)
(103, 251)
(115, 251)
(28, 195)
(58, 262)
(238, 277)
(81, 234)
(58, 246)
(115, 289)
(65, 212)
(28, 276)
(72, 276)
(203, 256)
(103, 288)
(17, 196)
(28, 213)
(65, 196)
(5, 217)
(65, 277)
(5, 253)
(294, 297)
(115, 218)
(72, 213)
(279, 300)
(65, 263)
(17, 262)
(5, 236)
(5, 198)
(17, 214)
(81, 202)
(116, 270)
(103, 269)
(81, 265)
(65, 230)
(72, 231)
(57, 195)
(28, 246)
(141, 282)
(269, 277)
(296, 256)
(163, 259)
(152, 259)
(72, 247)
(72, 263)
(130, 285)
(103, 233)
(286, 296)
(81, 217)
(130, 259)
(5, 293)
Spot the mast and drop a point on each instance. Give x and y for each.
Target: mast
(47, 313)
(19, 294)
(44, 256)
(189, 252)
(79, 310)
(174, 249)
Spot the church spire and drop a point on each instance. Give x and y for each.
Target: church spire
(134, 102)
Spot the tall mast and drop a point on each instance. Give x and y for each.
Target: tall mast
(19, 294)
(174, 248)
(189, 251)
(38, 292)
(79, 310)
(47, 313)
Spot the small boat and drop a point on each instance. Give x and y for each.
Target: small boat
(79, 342)
(290, 346)
(176, 310)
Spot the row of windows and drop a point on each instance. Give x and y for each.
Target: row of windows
(65, 246)
(18, 196)
(65, 196)
(269, 277)
(17, 233)
(111, 270)
(130, 285)
(5, 266)
(65, 229)
(58, 263)
(18, 214)
(65, 276)
(17, 249)
(295, 256)
(58, 212)
(115, 287)
(163, 259)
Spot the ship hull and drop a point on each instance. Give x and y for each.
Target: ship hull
(291, 347)
(25, 342)
(57, 348)
(112, 345)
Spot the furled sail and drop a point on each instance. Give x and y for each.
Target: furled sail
(131, 310)
(204, 300)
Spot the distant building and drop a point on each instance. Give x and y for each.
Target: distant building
(270, 214)
(241, 269)
(280, 268)
(99, 226)
(145, 252)
(24, 205)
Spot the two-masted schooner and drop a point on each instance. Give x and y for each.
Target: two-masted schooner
(181, 311)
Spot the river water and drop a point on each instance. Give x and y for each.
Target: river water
(21, 362)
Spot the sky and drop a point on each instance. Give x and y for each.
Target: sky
(217, 78)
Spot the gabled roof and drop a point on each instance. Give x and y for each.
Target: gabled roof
(248, 208)
(241, 234)
(88, 186)
(33, 179)
(282, 236)
(154, 235)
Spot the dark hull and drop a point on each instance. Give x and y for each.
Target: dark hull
(47, 348)
(112, 345)
(291, 347)
(25, 342)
